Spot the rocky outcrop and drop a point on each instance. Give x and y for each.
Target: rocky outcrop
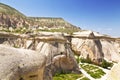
(55, 46)
(110, 50)
(51, 22)
(9, 17)
(114, 73)
(88, 48)
(95, 46)
(21, 64)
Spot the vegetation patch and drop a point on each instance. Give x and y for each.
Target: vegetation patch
(103, 64)
(84, 78)
(94, 71)
(106, 64)
(69, 76)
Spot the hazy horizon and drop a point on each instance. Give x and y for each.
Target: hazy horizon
(98, 15)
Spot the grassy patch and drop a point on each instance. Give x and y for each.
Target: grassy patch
(84, 78)
(94, 71)
(103, 64)
(69, 76)
(106, 64)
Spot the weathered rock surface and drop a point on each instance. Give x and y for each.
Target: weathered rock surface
(59, 58)
(51, 22)
(21, 64)
(55, 46)
(88, 48)
(95, 46)
(111, 52)
(9, 17)
(114, 73)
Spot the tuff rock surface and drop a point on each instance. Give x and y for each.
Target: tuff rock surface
(21, 64)
(57, 49)
(95, 46)
(114, 73)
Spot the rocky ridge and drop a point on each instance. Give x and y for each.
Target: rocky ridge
(10, 18)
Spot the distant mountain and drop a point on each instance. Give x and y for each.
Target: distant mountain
(10, 17)
(52, 22)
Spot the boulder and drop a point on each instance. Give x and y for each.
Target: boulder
(21, 64)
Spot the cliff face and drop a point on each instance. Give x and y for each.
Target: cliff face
(92, 45)
(54, 45)
(111, 51)
(88, 48)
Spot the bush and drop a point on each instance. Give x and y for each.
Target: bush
(69, 76)
(106, 64)
(82, 60)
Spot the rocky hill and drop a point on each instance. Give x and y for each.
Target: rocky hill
(10, 17)
(51, 22)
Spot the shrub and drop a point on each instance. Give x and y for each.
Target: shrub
(106, 64)
(69, 76)
(82, 60)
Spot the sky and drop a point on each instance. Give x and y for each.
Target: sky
(97, 15)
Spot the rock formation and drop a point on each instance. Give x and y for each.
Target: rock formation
(87, 48)
(55, 46)
(47, 52)
(111, 52)
(50, 22)
(21, 64)
(9, 17)
(95, 46)
(114, 73)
